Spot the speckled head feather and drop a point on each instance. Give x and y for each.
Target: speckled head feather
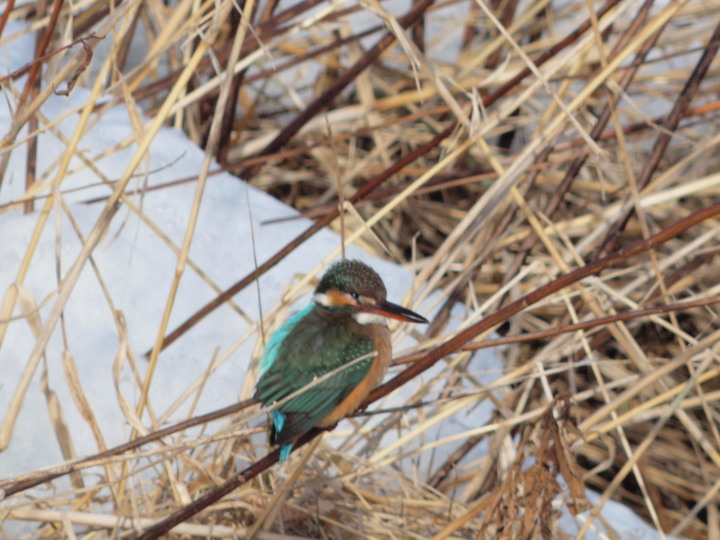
(353, 277)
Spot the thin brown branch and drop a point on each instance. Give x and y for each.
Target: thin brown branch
(429, 359)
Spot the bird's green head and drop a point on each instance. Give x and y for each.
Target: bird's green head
(355, 287)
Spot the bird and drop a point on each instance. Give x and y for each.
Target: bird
(346, 323)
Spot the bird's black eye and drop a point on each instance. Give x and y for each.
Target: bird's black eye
(355, 295)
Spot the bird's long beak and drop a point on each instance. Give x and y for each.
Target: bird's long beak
(393, 311)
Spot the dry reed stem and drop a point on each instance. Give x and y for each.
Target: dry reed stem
(502, 161)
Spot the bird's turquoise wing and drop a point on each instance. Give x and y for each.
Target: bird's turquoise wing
(309, 350)
(276, 340)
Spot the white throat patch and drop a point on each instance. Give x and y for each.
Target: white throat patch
(322, 299)
(364, 317)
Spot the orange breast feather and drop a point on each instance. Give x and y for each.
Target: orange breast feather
(380, 336)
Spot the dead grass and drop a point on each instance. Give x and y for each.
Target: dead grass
(559, 140)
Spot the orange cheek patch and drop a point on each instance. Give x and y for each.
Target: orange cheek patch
(336, 298)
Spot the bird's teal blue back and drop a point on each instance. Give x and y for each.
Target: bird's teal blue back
(273, 346)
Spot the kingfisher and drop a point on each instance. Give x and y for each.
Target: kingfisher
(346, 323)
